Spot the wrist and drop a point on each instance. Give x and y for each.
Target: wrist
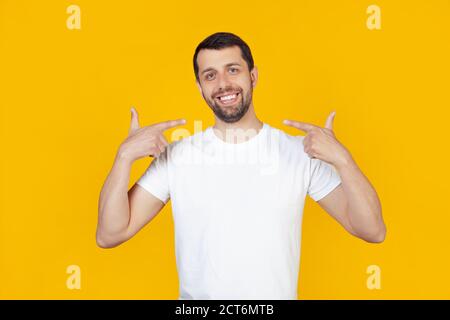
(344, 161)
(123, 158)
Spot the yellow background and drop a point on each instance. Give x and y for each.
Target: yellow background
(65, 97)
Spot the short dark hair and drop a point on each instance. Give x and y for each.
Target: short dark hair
(222, 40)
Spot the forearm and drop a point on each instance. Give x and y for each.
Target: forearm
(113, 210)
(363, 204)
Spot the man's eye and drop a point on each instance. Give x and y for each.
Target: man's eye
(209, 76)
(233, 70)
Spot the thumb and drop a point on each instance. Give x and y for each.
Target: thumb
(329, 123)
(134, 120)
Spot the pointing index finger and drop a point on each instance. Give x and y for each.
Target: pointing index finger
(170, 124)
(304, 126)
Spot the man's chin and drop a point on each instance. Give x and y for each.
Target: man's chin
(228, 114)
(230, 120)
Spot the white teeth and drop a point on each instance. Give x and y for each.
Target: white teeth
(225, 98)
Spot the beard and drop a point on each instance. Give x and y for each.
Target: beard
(231, 114)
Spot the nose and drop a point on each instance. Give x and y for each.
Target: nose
(224, 81)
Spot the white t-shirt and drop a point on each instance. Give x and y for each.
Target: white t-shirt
(237, 210)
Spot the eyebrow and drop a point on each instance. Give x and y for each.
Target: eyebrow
(227, 65)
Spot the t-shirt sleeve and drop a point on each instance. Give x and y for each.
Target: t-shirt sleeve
(323, 179)
(155, 179)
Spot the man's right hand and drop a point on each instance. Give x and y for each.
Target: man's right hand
(145, 141)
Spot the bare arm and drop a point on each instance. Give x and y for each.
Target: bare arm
(122, 212)
(355, 203)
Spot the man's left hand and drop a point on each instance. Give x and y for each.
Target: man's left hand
(321, 143)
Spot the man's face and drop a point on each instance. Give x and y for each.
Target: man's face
(225, 82)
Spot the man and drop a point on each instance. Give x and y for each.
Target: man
(237, 189)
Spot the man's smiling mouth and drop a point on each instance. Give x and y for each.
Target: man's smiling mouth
(228, 99)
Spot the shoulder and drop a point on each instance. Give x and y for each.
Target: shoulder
(187, 143)
(286, 139)
(290, 146)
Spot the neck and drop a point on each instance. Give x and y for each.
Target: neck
(248, 121)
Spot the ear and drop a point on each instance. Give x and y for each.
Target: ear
(254, 76)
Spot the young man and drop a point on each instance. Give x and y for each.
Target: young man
(238, 188)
